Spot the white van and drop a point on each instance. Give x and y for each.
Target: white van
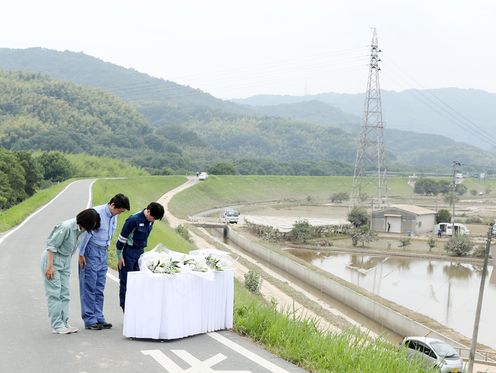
(446, 229)
(230, 216)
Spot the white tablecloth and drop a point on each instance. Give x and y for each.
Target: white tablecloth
(174, 306)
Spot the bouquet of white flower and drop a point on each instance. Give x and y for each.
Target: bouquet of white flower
(194, 265)
(165, 261)
(164, 265)
(213, 263)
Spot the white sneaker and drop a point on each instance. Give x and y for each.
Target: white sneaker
(62, 330)
(73, 329)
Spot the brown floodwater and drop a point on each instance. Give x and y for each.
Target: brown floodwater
(443, 290)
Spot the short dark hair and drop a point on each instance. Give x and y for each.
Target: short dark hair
(88, 219)
(156, 210)
(120, 201)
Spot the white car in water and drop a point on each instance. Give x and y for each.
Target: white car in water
(434, 353)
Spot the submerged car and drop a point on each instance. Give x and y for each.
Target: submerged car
(434, 353)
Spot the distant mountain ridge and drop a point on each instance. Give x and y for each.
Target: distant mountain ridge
(195, 129)
(465, 115)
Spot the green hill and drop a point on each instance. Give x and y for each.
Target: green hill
(37, 112)
(166, 127)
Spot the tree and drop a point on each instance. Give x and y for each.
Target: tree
(358, 216)
(362, 234)
(222, 168)
(459, 245)
(33, 172)
(55, 166)
(12, 182)
(443, 216)
(426, 186)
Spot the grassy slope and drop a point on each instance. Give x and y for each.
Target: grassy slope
(218, 191)
(141, 191)
(16, 214)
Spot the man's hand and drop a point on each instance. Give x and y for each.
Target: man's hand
(121, 263)
(82, 261)
(49, 273)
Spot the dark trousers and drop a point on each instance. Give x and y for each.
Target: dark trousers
(130, 256)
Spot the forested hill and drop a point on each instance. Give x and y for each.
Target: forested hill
(179, 136)
(128, 84)
(37, 112)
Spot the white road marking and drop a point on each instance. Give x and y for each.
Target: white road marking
(247, 353)
(196, 365)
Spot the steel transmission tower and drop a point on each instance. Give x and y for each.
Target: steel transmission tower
(369, 178)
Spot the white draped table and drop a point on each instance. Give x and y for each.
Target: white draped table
(162, 306)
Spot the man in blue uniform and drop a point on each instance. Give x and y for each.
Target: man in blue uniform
(93, 263)
(132, 241)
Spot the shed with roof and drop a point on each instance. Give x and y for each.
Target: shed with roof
(404, 219)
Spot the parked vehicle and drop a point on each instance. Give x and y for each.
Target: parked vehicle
(434, 353)
(446, 229)
(230, 216)
(202, 176)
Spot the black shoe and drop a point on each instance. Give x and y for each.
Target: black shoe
(105, 325)
(94, 327)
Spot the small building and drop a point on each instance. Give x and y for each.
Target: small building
(404, 219)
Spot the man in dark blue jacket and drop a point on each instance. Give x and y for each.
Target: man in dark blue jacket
(132, 242)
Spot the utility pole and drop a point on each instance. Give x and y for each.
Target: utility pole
(479, 302)
(369, 163)
(453, 196)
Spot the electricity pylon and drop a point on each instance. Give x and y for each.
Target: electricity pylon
(369, 163)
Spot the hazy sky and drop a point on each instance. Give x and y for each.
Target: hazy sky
(233, 48)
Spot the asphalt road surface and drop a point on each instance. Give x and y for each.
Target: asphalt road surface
(26, 341)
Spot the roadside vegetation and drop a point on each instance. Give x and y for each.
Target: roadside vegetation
(13, 216)
(300, 341)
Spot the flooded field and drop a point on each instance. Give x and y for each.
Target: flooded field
(443, 290)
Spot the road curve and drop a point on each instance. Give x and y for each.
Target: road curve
(27, 344)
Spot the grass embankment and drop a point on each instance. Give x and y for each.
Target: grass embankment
(219, 191)
(302, 343)
(141, 191)
(15, 215)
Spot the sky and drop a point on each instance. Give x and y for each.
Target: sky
(237, 49)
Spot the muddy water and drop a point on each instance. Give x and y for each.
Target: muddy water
(445, 291)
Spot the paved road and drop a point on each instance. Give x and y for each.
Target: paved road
(26, 342)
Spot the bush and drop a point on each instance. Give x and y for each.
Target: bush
(302, 231)
(183, 232)
(405, 241)
(362, 234)
(358, 217)
(253, 281)
(443, 216)
(459, 245)
(340, 197)
(431, 242)
(479, 251)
